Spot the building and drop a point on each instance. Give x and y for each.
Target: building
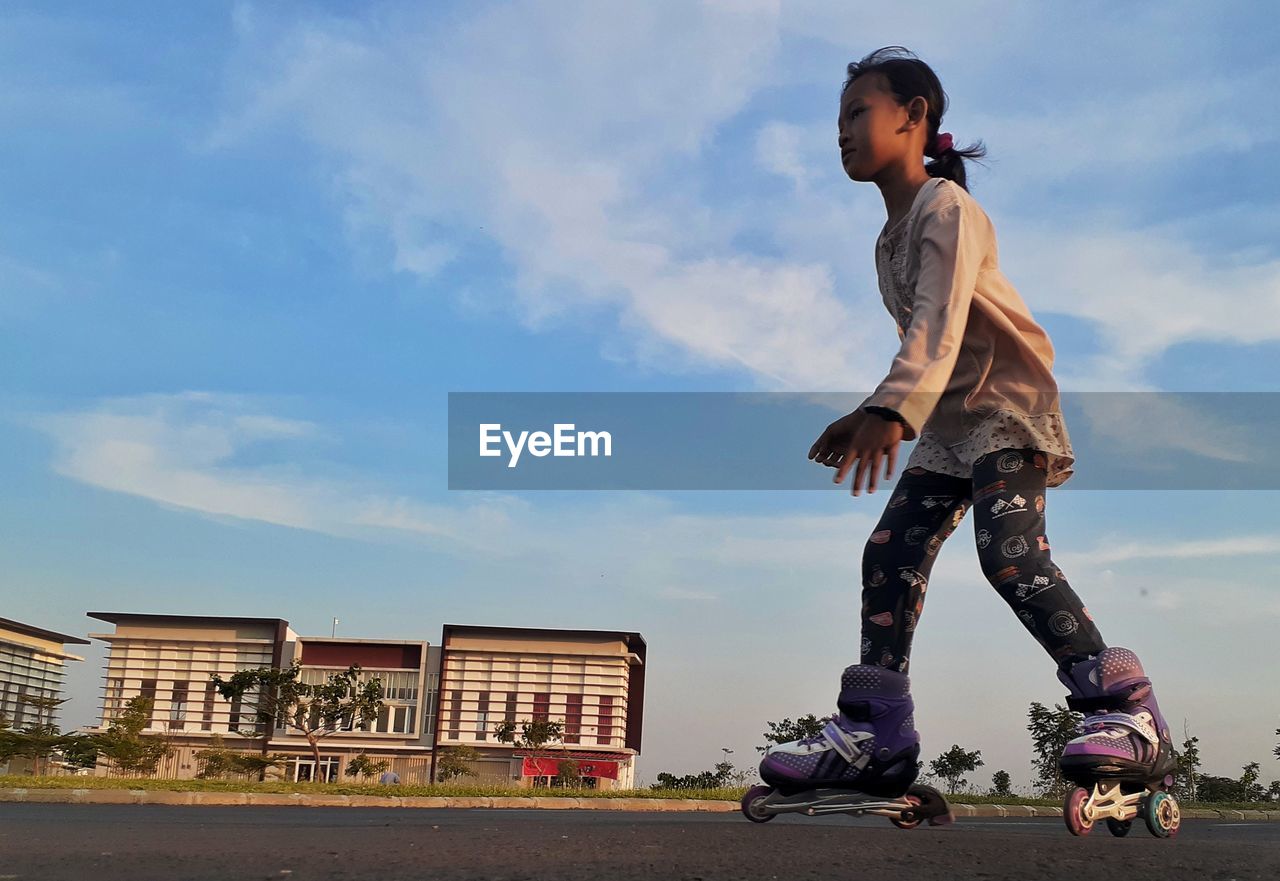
(32, 665)
(592, 680)
(400, 735)
(170, 659)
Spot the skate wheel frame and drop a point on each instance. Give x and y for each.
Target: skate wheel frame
(762, 803)
(908, 819)
(1082, 808)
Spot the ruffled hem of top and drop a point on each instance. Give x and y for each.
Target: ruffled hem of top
(1001, 429)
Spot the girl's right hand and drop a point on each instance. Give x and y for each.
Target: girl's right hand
(831, 446)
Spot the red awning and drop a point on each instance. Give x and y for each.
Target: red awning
(550, 767)
(580, 755)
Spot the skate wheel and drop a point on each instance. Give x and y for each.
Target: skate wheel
(1119, 828)
(1161, 814)
(908, 819)
(1073, 812)
(752, 804)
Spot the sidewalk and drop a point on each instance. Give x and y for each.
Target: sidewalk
(166, 797)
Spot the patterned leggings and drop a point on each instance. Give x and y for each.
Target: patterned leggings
(1006, 492)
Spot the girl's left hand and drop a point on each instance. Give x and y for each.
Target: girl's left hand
(875, 441)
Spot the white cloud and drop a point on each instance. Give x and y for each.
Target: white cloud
(1194, 549)
(196, 452)
(1137, 424)
(570, 134)
(779, 149)
(573, 136)
(1145, 289)
(184, 451)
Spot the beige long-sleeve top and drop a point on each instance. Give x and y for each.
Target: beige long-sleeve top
(974, 370)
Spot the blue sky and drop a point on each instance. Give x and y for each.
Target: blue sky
(249, 250)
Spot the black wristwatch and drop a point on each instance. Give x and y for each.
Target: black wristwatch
(885, 412)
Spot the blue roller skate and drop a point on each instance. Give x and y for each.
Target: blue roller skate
(864, 761)
(1123, 760)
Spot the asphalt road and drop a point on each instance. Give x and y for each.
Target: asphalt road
(143, 842)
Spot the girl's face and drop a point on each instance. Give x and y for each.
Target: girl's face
(875, 131)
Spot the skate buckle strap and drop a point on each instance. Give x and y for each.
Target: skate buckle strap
(846, 743)
(1091, 704)
(1123, 720)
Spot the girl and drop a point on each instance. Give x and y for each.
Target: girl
(972, 382)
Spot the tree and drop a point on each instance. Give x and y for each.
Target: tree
(568, 773)
(1188, 768)
(718, 778)
(1250, 788)
(535, 738)
(1219, 789)
(1273, 791)
(455, 761)
(217, 761)
(953, 764)
(365, 767)
(787, 730)
(705, 780)
(314, 711)
(124, 744)
(1000, 783)
(80, 751)
(1051, 730)
(37, 741)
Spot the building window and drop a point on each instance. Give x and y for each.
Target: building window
(178, 706)
(512, 700)
(206, 718)
(233, 723)
(482, 717)
(114, 702)
(573, 718)
(429, 717)
(149, 691)
(604, 734)
(455, 714)
(541, 706)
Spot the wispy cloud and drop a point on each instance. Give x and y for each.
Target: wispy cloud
(582, 166)
(1135, 425)
(194, 452)
(185, 450)
(1194, 549)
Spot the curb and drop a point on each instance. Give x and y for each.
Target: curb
(325, 800)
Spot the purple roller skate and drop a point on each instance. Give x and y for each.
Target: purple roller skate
(863, 760)
(1123, 758)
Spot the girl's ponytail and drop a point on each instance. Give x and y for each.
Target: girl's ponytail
(948, 162)
(908, 78)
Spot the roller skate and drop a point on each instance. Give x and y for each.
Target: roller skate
(862, 762)
(1123, 760)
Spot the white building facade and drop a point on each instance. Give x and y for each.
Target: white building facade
(592, 682)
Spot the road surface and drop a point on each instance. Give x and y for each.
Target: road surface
(142, 842)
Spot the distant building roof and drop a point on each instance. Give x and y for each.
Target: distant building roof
(629, 636)
(117, 617)
(51, 635)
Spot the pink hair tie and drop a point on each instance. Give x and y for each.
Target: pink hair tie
(942, 144)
